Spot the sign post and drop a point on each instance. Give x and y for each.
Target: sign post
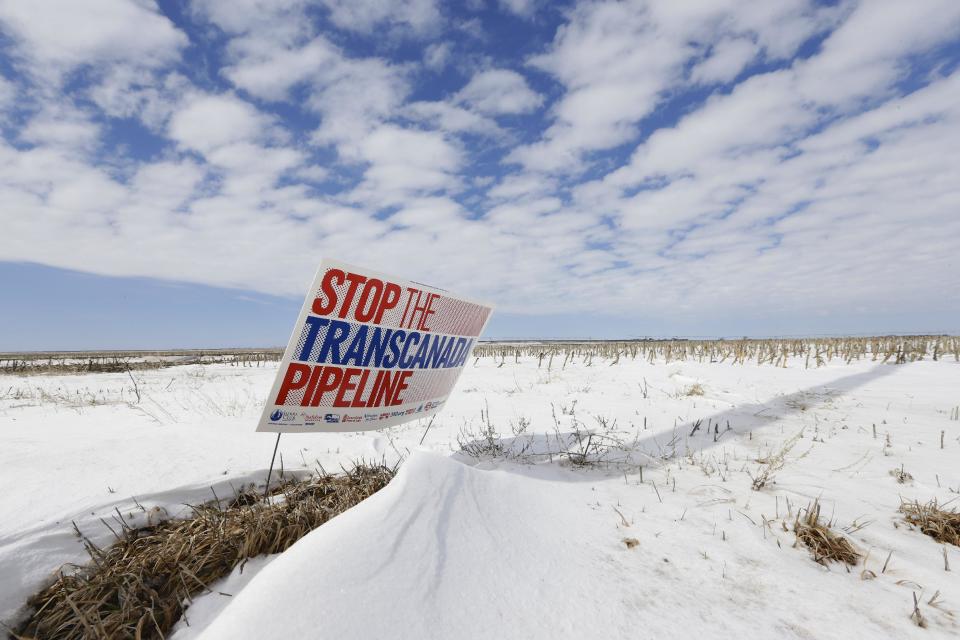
(370, 351)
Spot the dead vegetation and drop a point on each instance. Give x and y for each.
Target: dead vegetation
(694, 390)
(932, 519)
(811, 352)
(140, 585)
(824, 544)
(901, 476)
(773, 462)
(121, 361)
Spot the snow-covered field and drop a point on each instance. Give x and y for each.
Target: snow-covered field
(491, 530)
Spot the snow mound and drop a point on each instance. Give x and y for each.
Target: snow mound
(444, 551)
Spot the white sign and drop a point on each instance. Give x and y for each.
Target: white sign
(370, 351)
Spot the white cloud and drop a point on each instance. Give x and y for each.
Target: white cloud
(522, 186)
(816, 184)
(279, 19)
(524, 8)
(206, 122)
(129, 92)
(394, 145)
(727, 59)
(499, 92)
(605, 59)
(436, 55)
(8, 93)
(271, 73)
(62, 126)
(353, 98)
(404, 163)
(864, 55)
(417, 16)
(438, 214)
(58, 35)
(166, 185)
(452, 118)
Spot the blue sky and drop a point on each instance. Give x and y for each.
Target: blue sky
(171, 173)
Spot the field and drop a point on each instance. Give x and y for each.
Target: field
(620, 490)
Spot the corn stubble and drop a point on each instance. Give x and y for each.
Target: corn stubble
(932, 519)
(810, 352)
(139, 586)
(824, 544)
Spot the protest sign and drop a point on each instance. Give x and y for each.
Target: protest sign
(370, 351)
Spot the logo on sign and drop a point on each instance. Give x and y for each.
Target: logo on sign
(351, 418)
(369, 417)
(331, 417)
(276, 415)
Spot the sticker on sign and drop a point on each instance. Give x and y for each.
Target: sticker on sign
(370, 351)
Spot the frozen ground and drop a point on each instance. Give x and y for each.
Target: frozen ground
(491, 530)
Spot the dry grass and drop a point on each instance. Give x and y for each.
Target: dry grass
(774, 462)
(694, 390)
(140, 585)
(816, 535)
(938, 523)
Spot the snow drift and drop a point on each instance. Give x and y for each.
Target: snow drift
(444, 551)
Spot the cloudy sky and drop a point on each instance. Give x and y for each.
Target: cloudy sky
(172, 172)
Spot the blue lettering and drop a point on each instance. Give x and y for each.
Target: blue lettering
(391, 358)
(444, 360)
(314, 324)
(412, 338)
(378, 346)
(356, 348)
(420, 360)
(336, 334)
(435, 350)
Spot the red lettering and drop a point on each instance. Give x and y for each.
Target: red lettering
(385, 391)
(401, 384)
(355, 280)
(373, 288)
(331, 279)
(329, 380)
(428, 311)
(311, 386)
(296, 377)
(389, 300)
(419, 311)
(410, 292)
(375, 391)
(361, 385)
(346, 385)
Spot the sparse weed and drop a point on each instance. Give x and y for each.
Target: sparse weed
(824, 544)
(773, 462)
(901, 476)
(932, 519)
(694, 390)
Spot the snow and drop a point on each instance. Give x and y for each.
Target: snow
(521, 543)
(207, 607)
